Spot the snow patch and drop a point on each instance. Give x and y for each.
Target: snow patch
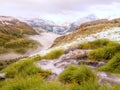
(6, 20)
(112, 34)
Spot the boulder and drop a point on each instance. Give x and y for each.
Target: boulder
(92, 63)
(72, 49)
(79, 54)
(75, 54)
(101, 64)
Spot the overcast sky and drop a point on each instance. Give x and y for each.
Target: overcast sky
(60, 10)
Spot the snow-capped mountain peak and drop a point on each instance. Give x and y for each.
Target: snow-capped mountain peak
(88, 18)
(50, 26)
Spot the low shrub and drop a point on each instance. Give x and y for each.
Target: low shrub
(105, 53)
(30, 83)
(37, 83)
(24, 68)
(113, 65)
(54, 54)
(75, 74)
(53, 85)
(26, 83)
(95, 44)
(90, 85)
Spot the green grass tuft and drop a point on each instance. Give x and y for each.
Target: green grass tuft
(54, 54)
(24, 83)
(113, 65)
(105, 53)
(75, 74)
(95, 44)
(25, 68)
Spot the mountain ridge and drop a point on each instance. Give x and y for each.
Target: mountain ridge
(50, 26)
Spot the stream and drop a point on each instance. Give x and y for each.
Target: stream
(76, 57)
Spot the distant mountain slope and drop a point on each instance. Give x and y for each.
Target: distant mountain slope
(50, 26)
(90, 30)
(11, 25)
(47, 26)
(12, 37)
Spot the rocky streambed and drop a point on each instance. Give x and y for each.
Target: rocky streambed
(77, 57)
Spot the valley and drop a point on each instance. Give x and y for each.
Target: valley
(87, 58)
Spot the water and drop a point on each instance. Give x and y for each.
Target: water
(108, 78)
(58, 65)
(50, 65)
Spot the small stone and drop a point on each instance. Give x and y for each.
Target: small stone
(100, 64)
(2, 76)
(78, 54)
(72, 49)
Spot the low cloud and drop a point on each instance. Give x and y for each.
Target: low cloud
(55, 5)
(64, 8)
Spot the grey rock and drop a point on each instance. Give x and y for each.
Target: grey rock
(2, 76)
(100, 64)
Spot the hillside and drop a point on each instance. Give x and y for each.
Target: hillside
(12, 35)
(89, 31)
(92, 64)
(10, 25)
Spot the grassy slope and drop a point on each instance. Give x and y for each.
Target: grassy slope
(12, 37)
